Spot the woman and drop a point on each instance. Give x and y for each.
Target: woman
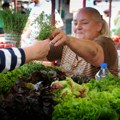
(90, 47)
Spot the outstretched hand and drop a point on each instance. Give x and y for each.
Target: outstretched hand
(38, 50)
(42, 48)
(59, 37)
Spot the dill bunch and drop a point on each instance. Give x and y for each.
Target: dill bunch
(14, 21)
(45, 26)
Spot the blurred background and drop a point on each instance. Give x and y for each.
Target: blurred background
(108, 8)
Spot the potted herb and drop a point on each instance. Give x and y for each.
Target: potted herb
(14, 23)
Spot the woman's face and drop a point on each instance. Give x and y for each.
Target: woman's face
(85, 26)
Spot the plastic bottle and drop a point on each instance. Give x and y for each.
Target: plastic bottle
(102, 73)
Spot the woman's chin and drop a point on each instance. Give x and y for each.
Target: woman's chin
(80, 36)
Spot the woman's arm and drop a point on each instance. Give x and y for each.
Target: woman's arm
(87, 49)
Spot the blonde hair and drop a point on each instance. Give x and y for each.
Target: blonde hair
(98, 17)
(104, 31)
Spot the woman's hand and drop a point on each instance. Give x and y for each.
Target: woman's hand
(59, 37)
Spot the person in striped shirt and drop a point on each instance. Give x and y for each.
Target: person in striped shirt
(11, 58)
(91, 46)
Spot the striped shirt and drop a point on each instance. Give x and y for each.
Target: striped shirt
(11, 58)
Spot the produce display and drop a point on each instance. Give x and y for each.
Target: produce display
(26, 94)
(116, 40)
(36, 92)
(97, 100)
(13, 25)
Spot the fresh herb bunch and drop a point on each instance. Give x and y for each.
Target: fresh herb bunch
(45, 23)
(14, 21)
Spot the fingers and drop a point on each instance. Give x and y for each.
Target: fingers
(57, 37)
(58, 43)
(42, 45)
(47, 40)
(56, 32)
(44, 48)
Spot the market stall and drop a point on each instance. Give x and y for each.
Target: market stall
(37, 92)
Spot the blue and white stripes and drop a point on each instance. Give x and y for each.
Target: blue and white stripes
(11, 58)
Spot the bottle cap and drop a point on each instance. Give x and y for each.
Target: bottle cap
(103, 65)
